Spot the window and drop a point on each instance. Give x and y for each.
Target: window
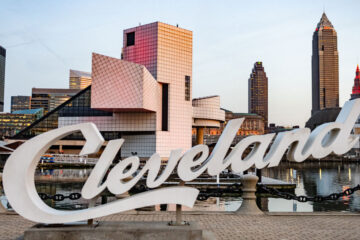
(165, 105)
(322, 48)
(77, 106)
(130, 39)
(187, 88)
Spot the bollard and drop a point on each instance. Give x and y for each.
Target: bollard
(92, 203)
(178, 215)
(179, 221)
(248, 205)
(258, 174)
(179, 210)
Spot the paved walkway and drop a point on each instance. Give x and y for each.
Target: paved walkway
(231, 226)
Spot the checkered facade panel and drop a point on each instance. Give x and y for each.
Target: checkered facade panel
(124, 122)
(119, 86)
(145, 47)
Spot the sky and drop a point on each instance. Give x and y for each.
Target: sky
(44, 39)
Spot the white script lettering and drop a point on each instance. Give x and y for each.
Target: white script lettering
(298, 144)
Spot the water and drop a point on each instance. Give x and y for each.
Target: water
(316, 178)
(311, 178)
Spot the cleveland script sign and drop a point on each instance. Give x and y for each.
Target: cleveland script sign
(298, 144)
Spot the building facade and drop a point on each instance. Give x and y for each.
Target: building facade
(207, 114)
(73, 109)
(258, 92)
(20, 103)
(252, 125)
(79, 79)
(125, 100)
(2, 76)
(166, 52)
(325, 66)
(39, 113)
(12, 123)
(50, 98)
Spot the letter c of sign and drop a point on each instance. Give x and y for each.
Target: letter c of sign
(19, 184)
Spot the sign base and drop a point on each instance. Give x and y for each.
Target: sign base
(116, 230)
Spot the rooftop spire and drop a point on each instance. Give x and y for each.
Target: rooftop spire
(324, 22)
(356, 87)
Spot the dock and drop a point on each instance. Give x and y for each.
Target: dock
(203, 182)
(210, 183)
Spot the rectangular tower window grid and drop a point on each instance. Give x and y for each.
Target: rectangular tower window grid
(325, 67)
(165, 105)
(187, 88)
(258, 92)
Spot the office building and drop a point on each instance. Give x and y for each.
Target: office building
(258, 92)
(12, 123)
(252, 125)
(20, 103)
(144, 98)
(325, 66)
(79, 79)
(50, 98)
(39, 113)
(2, 76)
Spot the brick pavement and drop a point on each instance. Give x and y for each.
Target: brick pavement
(231, 226)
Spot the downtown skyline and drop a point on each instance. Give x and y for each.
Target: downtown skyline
(48, 41)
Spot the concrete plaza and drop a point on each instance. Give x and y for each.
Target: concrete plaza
(231, 226)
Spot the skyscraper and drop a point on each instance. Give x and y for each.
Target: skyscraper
(258, 92)
(79, 79)
(126, 101)
(2, 77)
(325, 66)
(356, 88)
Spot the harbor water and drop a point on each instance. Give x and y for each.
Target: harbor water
(311, 179)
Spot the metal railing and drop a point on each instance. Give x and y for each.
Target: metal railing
(70, 159)
(317, 198)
